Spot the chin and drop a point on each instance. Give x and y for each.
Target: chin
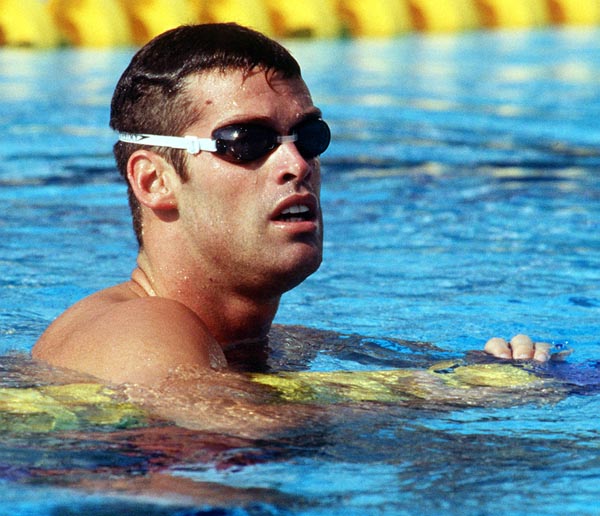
(305, 270)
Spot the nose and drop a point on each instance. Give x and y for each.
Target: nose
(291, 165)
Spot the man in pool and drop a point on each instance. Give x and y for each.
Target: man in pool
(219, 141)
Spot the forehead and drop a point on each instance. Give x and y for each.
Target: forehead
(221, 96)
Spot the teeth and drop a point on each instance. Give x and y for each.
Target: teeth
(297, 208)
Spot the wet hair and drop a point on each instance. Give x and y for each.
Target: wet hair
(151, 95)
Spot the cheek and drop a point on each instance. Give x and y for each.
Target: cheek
(226, 197)
(228, 202)
(213, 185)
(316, 178)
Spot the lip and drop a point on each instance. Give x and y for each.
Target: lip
(308, 200)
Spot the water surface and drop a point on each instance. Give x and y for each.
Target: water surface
(461, 202)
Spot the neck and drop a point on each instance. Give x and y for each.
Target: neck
(231, 316)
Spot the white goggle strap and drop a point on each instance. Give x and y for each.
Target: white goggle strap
(291, 138)
(192, 144)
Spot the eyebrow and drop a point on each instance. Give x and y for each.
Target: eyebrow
(266, 121)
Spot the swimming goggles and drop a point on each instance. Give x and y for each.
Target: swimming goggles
(246, 142)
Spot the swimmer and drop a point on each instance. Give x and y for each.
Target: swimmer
(219, 142)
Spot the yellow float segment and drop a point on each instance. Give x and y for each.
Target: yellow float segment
(250, 13)
(91, 23)
(444, 15)
(26, 23)
(482, 375)
(149, 18)
(28, 410)
(574, 12)
(339, 386)
(310, 18)
(65, 407)
(83, 405)
(513, 13)
(376, 18)
(108, 23)
(391, 386)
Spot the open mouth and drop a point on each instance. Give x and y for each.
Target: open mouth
(296, 213)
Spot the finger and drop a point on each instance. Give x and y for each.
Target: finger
(542, 352)
(497, 347)
(522, 347)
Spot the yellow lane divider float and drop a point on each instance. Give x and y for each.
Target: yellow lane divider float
(90, 23)
(27, 23)
(394, 386)
(444, 15)
(251, 13)
(514, 13)
(106, 23)
(150, 18)
(88, 406)
(65, 407)
(384, 18)
(574, 12)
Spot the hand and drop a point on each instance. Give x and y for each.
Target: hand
(520, 347)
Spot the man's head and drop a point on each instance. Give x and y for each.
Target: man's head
(152, 97)
(239, 207)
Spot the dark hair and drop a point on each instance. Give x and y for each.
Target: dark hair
(150, 96)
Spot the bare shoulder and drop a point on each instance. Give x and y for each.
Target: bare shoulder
(119, 336)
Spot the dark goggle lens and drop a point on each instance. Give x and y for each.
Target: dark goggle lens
(249, 142)
(245, 142)
(312, 138)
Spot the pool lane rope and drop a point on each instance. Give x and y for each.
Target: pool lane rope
(91, 405)
(52, 23)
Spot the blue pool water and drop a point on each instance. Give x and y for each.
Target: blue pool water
(461, 202)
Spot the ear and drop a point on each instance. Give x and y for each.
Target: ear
(153, 180)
